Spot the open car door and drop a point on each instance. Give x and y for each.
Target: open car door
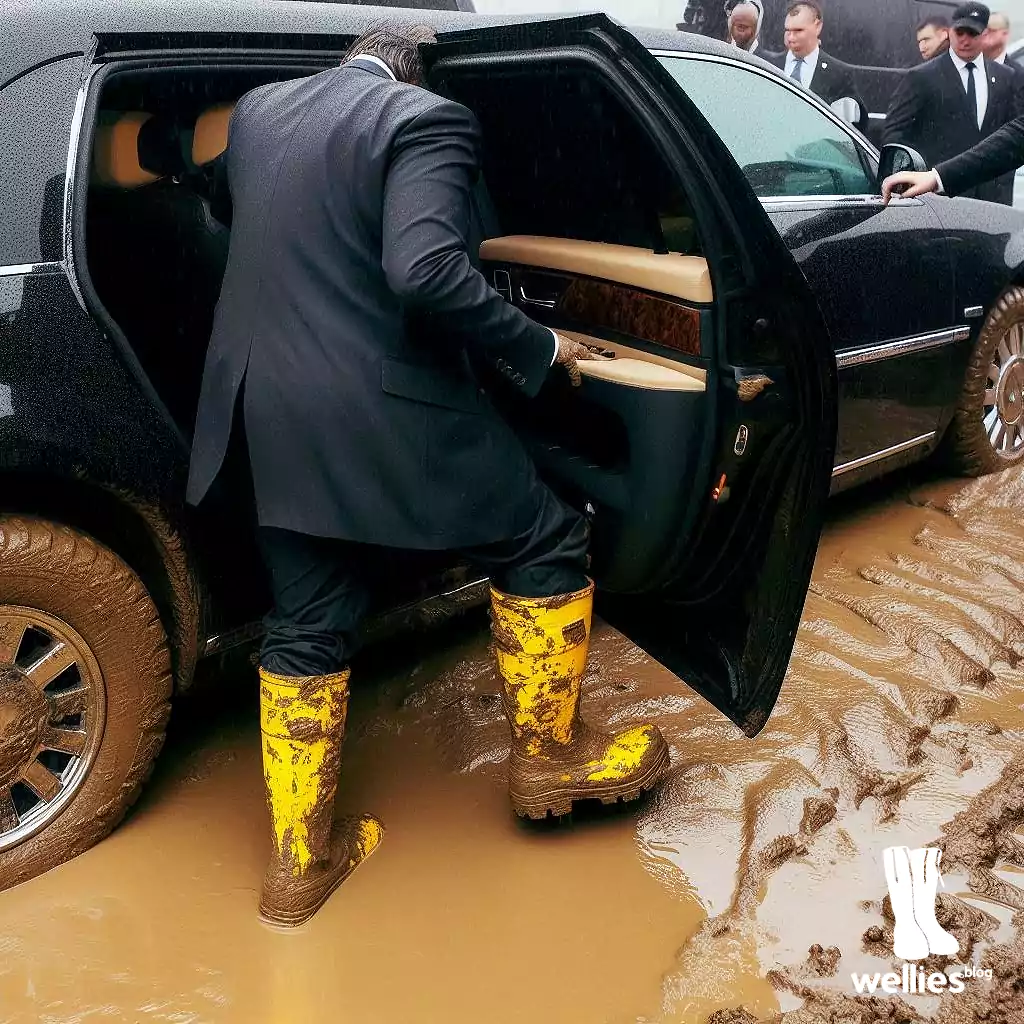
(702, 445)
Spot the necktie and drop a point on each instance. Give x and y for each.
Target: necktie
(972, 92)
(796, 70)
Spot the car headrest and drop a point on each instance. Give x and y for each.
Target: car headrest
(211, 133)
(116, 150)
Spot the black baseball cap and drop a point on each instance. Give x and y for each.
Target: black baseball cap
(973, 17)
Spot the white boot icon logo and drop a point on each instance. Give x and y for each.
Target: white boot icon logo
(913, 877)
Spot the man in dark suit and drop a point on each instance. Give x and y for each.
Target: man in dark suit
(933, 36)
(806, 62)
(949, 104)
(342, 337)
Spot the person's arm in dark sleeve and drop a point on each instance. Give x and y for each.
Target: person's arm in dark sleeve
(427, 206)
(904, 112)
(1000, 153)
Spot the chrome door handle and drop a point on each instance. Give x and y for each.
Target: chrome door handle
(546, 303)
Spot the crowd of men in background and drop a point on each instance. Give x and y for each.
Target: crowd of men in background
(961, 96)
(934, 31)
(965, 90)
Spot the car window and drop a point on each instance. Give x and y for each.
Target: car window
(580, 166)
(35, 129)
(785, 145)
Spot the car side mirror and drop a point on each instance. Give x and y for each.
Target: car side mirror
(895, 159)
(848, 109)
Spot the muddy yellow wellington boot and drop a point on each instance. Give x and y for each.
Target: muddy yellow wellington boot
(541, 646)
(302, 722)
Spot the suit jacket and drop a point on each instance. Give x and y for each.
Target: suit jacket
(929, 112)
(833, 80)
(348, 308)
(1001, 153)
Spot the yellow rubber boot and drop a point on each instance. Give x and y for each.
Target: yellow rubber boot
(541, 646)
(302, 722)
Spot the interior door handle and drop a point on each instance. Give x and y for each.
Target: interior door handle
(546, 303)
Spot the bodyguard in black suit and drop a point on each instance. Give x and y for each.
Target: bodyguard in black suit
(946, 106)
(806, 62)
(341, 339)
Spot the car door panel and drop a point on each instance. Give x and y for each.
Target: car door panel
(888, 326)
(707, 503)
(604, 443)
(882, 275)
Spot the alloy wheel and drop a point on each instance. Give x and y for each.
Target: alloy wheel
(1004, 395)
(52, 711)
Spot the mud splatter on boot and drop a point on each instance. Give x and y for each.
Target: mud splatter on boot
(541, 646)
(302, 721)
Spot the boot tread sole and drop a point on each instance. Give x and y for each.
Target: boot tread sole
(558, 803)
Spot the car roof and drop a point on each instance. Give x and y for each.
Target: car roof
(38, 31)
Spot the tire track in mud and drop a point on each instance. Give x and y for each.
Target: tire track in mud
(902, 715)
(900, 724)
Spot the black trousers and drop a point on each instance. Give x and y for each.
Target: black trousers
(321, 595)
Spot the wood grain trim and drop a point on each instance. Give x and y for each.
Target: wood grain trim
(682, 277)
(632, 312)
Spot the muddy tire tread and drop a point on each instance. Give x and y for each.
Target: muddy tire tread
(965, 447)
(30, 550)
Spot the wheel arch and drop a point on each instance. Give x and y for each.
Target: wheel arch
(138, 531)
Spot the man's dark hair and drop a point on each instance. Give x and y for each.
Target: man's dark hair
(398, 46)
(811, 5)
(938, 21)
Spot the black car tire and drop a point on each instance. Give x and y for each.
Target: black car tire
(80, 600)
(967, 445)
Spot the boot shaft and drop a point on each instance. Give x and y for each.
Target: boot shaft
(541, 647)
(302, 721)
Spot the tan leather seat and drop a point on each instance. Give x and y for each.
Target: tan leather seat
(211, 133)
(116, 150)
(116, 146)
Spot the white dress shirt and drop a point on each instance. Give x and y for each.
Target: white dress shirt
(807, 69)
(980, 82)
(1001, 59)
(375, 60)
(391, 75)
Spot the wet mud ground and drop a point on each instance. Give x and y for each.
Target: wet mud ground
(749, 887)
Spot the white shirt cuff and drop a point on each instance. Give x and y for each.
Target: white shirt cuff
(554, 354)
(942, 188)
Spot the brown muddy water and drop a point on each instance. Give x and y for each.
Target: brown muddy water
(753, 878)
